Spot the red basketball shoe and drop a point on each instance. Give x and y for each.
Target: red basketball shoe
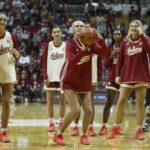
(91, 131)
(75, 131)
(113, 133)
(84, 139)
(103, 130)
(4, 137)
(59, 139)
(51, 127)
(139, 134)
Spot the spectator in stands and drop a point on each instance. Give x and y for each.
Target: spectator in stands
(132, 72)
(8, 55)
(24, 59)
(134, 14)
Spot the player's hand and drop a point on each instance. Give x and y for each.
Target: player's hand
(46, 82)
(98, 34)
(139, 29)
(15, 53)
(117, 80)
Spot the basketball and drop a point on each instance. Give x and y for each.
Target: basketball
(87, 36)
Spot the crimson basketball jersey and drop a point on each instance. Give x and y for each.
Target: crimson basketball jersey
(77, 71)
(132, 64)
(110, 64)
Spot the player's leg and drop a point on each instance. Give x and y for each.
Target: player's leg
(7, 90)
(111, 95)
(91, 131)
(62, 109)
(73, 101)
(140, 95)
(87, 108)
(123, 97)
(50, 106)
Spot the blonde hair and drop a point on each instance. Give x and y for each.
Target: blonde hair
(139, 23)
(76, 22)
(2, 14)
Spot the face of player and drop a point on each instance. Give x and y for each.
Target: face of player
(133, 30)
(117, 35)
(77, 27)
(56, 33)
(3, 21)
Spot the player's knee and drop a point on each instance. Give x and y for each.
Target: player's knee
(5, 100)
(88, 111)
(76, 112)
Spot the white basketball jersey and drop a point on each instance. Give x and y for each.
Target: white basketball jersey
(55, 60)
(94, 68)
(7, 64)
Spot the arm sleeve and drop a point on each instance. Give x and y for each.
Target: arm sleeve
(120, 59)
(15, 43)
(108, 60)
(45, 62)
(146, 41)
(99, 69)
(100, 48)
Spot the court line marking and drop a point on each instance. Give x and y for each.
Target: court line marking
(41, 123)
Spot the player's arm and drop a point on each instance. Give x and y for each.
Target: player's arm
(99, 69)
(44, 65)
(120, 62)
(15, 51)
(146, 41)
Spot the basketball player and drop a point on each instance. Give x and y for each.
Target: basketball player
(132, 72)
(111, 87)
(8, 54)
(53, 59)
(76, 78)
(96, 77)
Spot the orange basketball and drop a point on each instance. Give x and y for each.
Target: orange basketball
(88, 36)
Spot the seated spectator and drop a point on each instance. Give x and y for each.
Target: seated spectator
(24, 59)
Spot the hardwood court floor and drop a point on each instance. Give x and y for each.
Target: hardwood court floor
(28, 131)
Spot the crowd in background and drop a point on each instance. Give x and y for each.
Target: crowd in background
(31, 21)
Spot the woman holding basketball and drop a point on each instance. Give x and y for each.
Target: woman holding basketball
(132, 72)
(8, 54)
(76, 81)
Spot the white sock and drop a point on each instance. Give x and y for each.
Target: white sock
(83, 133)
(3, 129)
(139, 127)
(116, 125)
(76, 125)
(90, 125)
(61, 120)
(59, 132)
(51, 120)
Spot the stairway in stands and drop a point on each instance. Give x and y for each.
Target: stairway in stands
(77, 11)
